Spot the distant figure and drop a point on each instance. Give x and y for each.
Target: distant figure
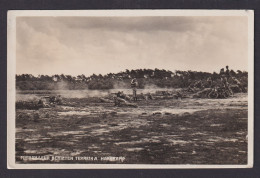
(236, 81)
(55, 99)
(149, 96)
(239, 84)
(223, 82)
(40, 102)
(59, 99)
(209, 81)
(222, 71)
(52, 99)
(118, 100)
(226, 85)
(134, 85)
(120, 94)
(227, 72)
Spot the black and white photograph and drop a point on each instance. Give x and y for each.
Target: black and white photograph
(130, 89)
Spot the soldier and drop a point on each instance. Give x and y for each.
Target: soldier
(227, 72)
(134, 87)
(121, 94)
(226, 85)
(118, 101)
(238, 83)
(52, 99)
(222, 71)
(59, 100)
(149, 96)
(224, 81)
(40, 103)
(209, 81)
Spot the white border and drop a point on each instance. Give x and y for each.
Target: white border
(11, 71)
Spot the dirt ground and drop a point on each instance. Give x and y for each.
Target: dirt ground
(165, 131)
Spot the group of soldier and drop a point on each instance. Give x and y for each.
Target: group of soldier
(223, 81)
(226, 76)
(47, 101)
(120, 98)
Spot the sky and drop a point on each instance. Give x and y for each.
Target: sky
(100, 45)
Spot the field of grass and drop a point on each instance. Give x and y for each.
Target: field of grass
(187, 131)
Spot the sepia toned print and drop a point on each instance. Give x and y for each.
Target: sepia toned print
(130, 89)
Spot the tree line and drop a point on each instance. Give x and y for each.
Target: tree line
(160, 78)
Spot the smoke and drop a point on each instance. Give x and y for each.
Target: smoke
(120, 85)
(81, 93)
(151, 86)
(63, 89)
(21, 95)
(26, 97)
(62, 85)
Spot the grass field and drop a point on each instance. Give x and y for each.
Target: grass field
(187, 131)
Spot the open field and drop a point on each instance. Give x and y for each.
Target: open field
(163, 131)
